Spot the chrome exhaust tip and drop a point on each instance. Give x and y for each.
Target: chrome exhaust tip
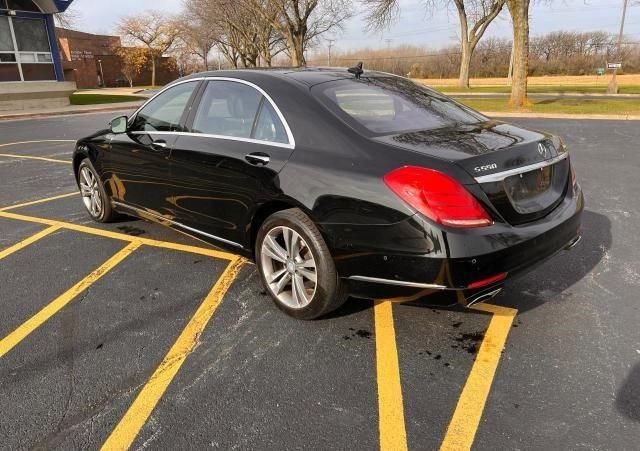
(573, 243)
(484, 297)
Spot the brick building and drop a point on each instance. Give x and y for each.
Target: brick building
(92, 61)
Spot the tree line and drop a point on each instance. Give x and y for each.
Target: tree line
(556, 53)
(247, 33)
(250, 33)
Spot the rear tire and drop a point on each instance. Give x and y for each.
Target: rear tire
(94, 196)
(296, 267)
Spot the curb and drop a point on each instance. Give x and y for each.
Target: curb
(35, 115)
(609, 117)
(560, 95)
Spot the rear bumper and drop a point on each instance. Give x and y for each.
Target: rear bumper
(456, 259)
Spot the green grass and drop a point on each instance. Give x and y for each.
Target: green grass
(97, 99)
(568, 106)
(560, 89)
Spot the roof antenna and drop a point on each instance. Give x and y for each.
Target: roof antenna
(356, 70)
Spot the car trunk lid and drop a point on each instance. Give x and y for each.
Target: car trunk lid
(523, 174)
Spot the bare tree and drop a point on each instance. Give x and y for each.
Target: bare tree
(68, 19)
(243, 35)
(519, 10)
(299, 22)
(197, 37)
(153, 29)
(187, 62)
(475, 17)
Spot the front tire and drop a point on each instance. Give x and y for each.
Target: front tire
(94, 197)
(296, 267)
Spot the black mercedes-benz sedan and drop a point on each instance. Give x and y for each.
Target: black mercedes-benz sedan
(336, 185)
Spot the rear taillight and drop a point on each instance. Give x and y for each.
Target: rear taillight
(437, 196)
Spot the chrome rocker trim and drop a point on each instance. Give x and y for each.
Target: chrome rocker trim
(179, 224)
(398, 282)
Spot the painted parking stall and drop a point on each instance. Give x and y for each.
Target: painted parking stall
(130, 335)
(134, 420)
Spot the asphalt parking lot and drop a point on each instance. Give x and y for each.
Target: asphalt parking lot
(130, 334)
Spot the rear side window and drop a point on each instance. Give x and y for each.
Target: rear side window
(386, 105)
(268, 126)
(163, 113)
(227, 109)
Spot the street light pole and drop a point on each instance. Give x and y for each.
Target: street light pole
(613, 84)
(331, 41)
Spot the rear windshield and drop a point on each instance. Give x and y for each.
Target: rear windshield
(386, 105)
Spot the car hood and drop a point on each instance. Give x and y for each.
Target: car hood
(491, 145)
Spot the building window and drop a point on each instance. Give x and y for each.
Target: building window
(25, 53)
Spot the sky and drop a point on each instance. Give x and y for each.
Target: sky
(413, 26)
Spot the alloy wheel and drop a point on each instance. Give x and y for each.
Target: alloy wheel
(289, 267)
(91, 195)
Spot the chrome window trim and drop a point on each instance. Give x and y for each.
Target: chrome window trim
(179, 224)
(290, 145)
(229, 138)
(500, 176)
(399, 282)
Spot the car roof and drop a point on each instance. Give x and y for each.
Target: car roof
(309, 76)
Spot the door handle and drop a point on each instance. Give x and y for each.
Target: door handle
(258, 158)
(161, 144)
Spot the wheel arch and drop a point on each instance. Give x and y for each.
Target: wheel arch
(267, 209)
(78, 156)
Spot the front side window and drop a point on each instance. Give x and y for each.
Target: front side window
(163, 113)
(25, 54)
(385, 105)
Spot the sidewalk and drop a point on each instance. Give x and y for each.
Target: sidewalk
(120, 91)
(70, 109)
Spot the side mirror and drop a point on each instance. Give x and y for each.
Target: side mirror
(118, 124)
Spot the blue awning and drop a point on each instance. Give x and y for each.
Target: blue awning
(53, 6)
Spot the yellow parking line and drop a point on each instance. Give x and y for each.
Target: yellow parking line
(393, 435)
(130, 425)
(30, 157)
(40, 141)
(24, 243)
(121, 236)
(466, 417)
(15, 337)
(39, 201)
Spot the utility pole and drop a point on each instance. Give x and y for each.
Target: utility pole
(331, 41)
(388, 41)
(613, 84)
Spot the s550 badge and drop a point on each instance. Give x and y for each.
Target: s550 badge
(486, 167)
